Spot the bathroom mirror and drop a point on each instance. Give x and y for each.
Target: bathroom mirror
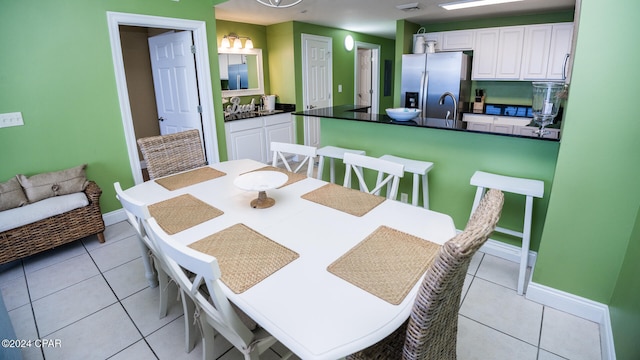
(241, 72)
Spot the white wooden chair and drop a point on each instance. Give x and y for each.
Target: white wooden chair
(137, 215)
(389, 173)
(281, 149)
(216, 313)
(333, 153)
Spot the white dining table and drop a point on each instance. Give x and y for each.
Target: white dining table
(314, 313)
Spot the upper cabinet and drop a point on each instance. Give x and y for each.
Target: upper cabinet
(560, 52)
(529, 52)
(457, 40)
(546, 52)
(498, 53)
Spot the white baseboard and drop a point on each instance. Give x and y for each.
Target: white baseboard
(114, 217)
(557, 299)
(578, 306)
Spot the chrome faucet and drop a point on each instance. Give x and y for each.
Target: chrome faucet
(455, 103)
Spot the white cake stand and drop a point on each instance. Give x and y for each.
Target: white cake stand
(261, 181)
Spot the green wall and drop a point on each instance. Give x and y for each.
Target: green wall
(282, 62)
(590, 241)
(56, 68)
(624, 309)
(456, 155)
(343, 61)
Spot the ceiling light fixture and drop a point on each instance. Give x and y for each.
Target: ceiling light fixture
(473, 3)
(279, 3)
(237, 43)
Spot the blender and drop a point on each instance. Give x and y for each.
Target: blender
(547, 97)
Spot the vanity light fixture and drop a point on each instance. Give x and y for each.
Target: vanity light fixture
(237, 42)
(472, 3)
(279, 3)
(348, 42)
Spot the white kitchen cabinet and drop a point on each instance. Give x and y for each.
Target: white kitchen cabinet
(532, 52)
(535, 56)
(458, 40)
(531, 132)
(251, 138)
(509, 58)
(485, 54)
(560, 52)
(546, 51)
(498, 53)
(503, 125)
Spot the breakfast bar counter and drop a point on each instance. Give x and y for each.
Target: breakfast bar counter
(360, 113)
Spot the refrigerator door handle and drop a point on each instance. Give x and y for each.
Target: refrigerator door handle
(421, 92)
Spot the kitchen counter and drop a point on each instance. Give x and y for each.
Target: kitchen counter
(280, 108)
(357, 113)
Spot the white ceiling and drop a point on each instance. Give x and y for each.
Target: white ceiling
(375, 17)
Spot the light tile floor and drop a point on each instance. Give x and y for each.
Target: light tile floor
(94, 299)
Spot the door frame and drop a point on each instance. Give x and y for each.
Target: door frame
(375, 74)
(198, 28)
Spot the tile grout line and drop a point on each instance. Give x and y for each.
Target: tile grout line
(119, 301)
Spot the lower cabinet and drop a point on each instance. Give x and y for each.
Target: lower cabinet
(506, 125)
(251, 138)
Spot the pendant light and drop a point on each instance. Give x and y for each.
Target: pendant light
(279, 3)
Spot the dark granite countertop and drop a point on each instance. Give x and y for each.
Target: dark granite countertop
(356, 113)
(280, 108)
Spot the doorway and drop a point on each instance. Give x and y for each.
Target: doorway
(317, 76)
(367, 76)
(197, 28)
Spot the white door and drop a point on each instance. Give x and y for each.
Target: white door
(367, 79)
(364, 90)
(175, 83)
(316, 79)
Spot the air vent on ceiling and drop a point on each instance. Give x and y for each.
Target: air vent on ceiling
(408, 7)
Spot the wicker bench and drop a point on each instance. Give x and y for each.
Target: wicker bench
(54, 231)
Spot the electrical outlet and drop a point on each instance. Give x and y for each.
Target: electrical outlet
(11, 119)
(404, 197)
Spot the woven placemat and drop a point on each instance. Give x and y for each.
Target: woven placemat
(182, 212)
(189, 178)
(341, 198)
(293, 177)
(386, 264)
(245, 256)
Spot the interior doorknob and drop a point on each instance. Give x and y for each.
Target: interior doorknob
(161, 119)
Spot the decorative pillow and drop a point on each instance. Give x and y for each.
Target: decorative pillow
(42, 186)
(11, 195)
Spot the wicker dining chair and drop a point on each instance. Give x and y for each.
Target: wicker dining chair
(173, 153)
(431, 330)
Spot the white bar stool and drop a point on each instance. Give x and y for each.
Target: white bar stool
(418, 169)
(333, 152)
(527, 187)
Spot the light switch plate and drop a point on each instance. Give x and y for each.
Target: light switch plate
(11, 119)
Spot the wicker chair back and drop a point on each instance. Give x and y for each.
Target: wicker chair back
(170, 154)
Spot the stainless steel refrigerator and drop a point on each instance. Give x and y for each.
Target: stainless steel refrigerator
(426, 77)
